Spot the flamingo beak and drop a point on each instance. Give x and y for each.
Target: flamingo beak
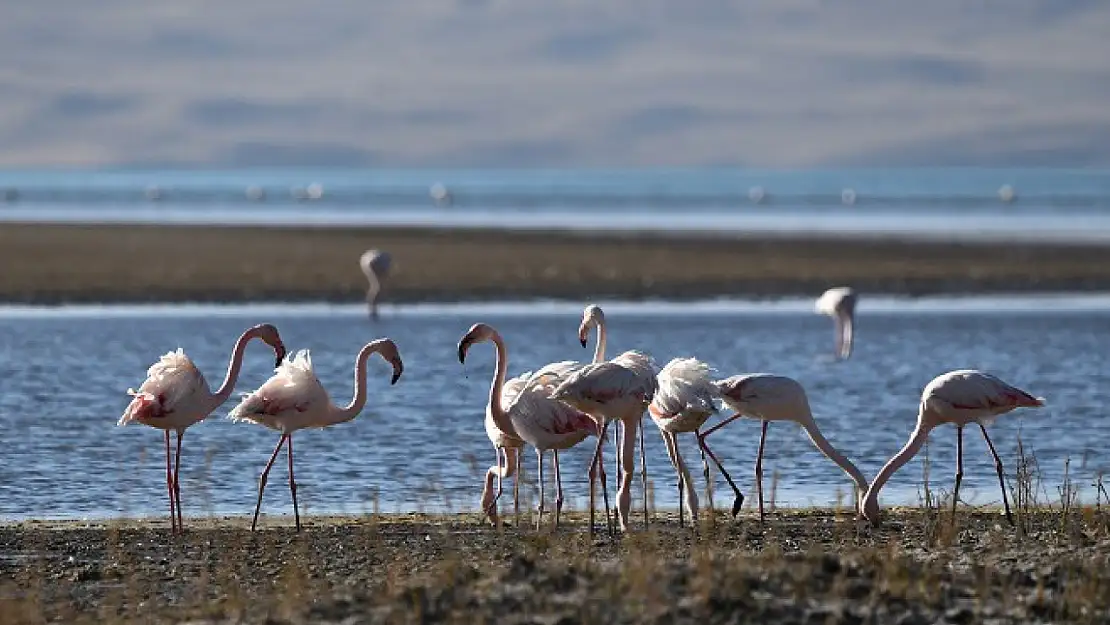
(279, 355)
(398, 369)
(463, 346)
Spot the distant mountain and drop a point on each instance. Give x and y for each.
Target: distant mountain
(533, 83)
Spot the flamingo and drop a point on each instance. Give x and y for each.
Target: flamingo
(619, 389)
(375, 264)
(293, 399)
(528, 414)
(175, 396)
(840, 304)
(768, 397)
(958, 397)
(683, 404)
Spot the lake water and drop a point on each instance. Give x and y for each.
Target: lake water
(420, 445)
(1038, 204)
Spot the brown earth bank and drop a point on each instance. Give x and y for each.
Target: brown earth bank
(47, 263)
(800, 566)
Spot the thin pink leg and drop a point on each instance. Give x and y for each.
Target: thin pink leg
(265, 475)
(169, 486)
(177, 481)
(643, 475)
(558, 489)
(293, 483)
(759, 468)
(595, 472)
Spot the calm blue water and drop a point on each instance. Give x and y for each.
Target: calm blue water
(1059, 204)
(421, 445)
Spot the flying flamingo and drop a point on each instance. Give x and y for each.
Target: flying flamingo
(960, 398)
(769, 398)
(293, 399)
(375, 264)
(840, 304)
(683, 404)
(618, 389)
(175, 395)
(529, 414)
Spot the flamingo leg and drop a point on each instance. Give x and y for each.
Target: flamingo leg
(959, 469)
(705, 471)
(558, 489)
(670, 444)
(169, 486)
(264, 477)
(628, 458)
(759, 469)
(487, 502)
(643, 473)
(739, 501)
(539, 508)
(684, 478)
(516, 483)
(998, 468)
(596, 471)
(293, 484)
(501, 453)
(177, 481)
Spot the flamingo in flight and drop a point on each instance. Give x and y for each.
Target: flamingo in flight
(769, 398)
(683, 404)
(375, 265)
(175, 395)
(619, 389)
(840, 304)
(293, 399)
(958, 397)
(529, 414)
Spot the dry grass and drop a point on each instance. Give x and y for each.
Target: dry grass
(64, 263)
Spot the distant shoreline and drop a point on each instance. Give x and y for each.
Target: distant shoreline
(51, 264)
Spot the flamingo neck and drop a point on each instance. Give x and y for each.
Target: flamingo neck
(908, 451)
(351, 410)
(826, 448)
(496, 410)
(233, 368)
(602, 336)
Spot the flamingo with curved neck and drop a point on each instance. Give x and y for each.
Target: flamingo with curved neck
(293, 399)
(958, 397)
(175, 396)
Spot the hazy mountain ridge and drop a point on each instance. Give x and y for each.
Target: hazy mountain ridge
(499, 83)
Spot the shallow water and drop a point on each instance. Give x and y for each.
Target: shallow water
(420, 445)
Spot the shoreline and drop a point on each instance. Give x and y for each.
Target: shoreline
(53, 264)
(920, 566)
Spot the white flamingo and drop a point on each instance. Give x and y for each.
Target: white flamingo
(293, 399)
(375, 265)
(619, 389)
(528, 414)
(769, 398)
(840, 304)
(683, 403)
(960, 398)
(175, 395)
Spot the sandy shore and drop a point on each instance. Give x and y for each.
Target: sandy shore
(800, 567)
(69, 263)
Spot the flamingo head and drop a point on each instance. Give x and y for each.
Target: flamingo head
(478, 333)
(269, 335)
(869, 507)
(591, 318)
(387, 349)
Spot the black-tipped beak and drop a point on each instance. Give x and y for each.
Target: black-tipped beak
(583, 340)
(462, 351)
(397, 371)
(279, 355)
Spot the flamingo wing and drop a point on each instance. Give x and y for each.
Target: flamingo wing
(969, 389)
(293, 390)
(684, 385)
(172, 384)
(601, 382)
(550, 424)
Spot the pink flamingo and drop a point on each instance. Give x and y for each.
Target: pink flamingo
(376, 266)
(293, 399)
(528, 414)
(683, 404)
(960, 398)
(840, 304)
(769, 398)
(175, 395)
(619, 389)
